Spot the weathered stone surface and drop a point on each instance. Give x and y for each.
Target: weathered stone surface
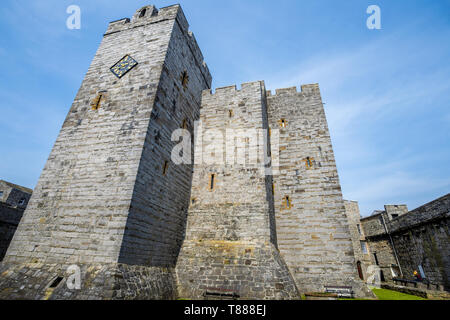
(102, 197)
(313, 234)
(357, 234)
(13, 201)
(33, 281)
(422, 238)
(9, 220)
(400, 242)
(230, 242)
(14, 195)
(111, 201)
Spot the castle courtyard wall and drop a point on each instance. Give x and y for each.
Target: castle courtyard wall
(422, 238)
(9, 220)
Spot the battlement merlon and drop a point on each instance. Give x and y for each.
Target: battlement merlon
(149, 15)
(232, 90)
(307, 89)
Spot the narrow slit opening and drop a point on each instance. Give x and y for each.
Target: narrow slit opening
(56, 282)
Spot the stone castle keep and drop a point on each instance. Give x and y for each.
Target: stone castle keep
(111, 201)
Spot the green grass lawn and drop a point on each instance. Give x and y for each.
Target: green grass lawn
(384, 294)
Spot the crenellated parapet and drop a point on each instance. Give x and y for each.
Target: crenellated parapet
(307, 89)
(149, 15)
(233, 89)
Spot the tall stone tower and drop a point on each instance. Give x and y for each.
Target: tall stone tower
(269, 235)
(113, 208)
(312, 227)
(230, 246)
(109, 200)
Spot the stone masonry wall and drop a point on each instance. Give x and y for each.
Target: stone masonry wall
(382, 248)
(373, 226)
(354, 217)
(9, 220)
(313, 232)
(157, 219)
(230, 246)
(422, 237)
(33, 281)
(14, 195)
(394, 211)
(98, 197)
(379, 245)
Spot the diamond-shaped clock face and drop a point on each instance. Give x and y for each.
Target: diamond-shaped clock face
(123, 66)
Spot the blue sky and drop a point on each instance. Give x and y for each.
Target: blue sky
(387, 92)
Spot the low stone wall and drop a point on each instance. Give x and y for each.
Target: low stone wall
(422, 292)
(98, 282)
(248, 270)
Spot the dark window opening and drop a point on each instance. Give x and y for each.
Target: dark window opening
(360, 272)
(22, 202)
(359, 228)
(166, 167)
(1, 194)
(283, 123)
(382, 276)
(212, 181)
(97, 102)
(287, 202)
(56, 282)
(394, 216)
(230, 113)
(143, 12)
(376, 259)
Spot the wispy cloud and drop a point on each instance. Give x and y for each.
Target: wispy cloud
(369, 90)
(386, 93)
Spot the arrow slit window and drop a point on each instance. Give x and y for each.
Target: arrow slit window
(309, 162)
(287, 204)
(97, 102)
(165, 167)
(212, 182)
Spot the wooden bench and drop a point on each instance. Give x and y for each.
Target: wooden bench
(220, 294)
(342, 292)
